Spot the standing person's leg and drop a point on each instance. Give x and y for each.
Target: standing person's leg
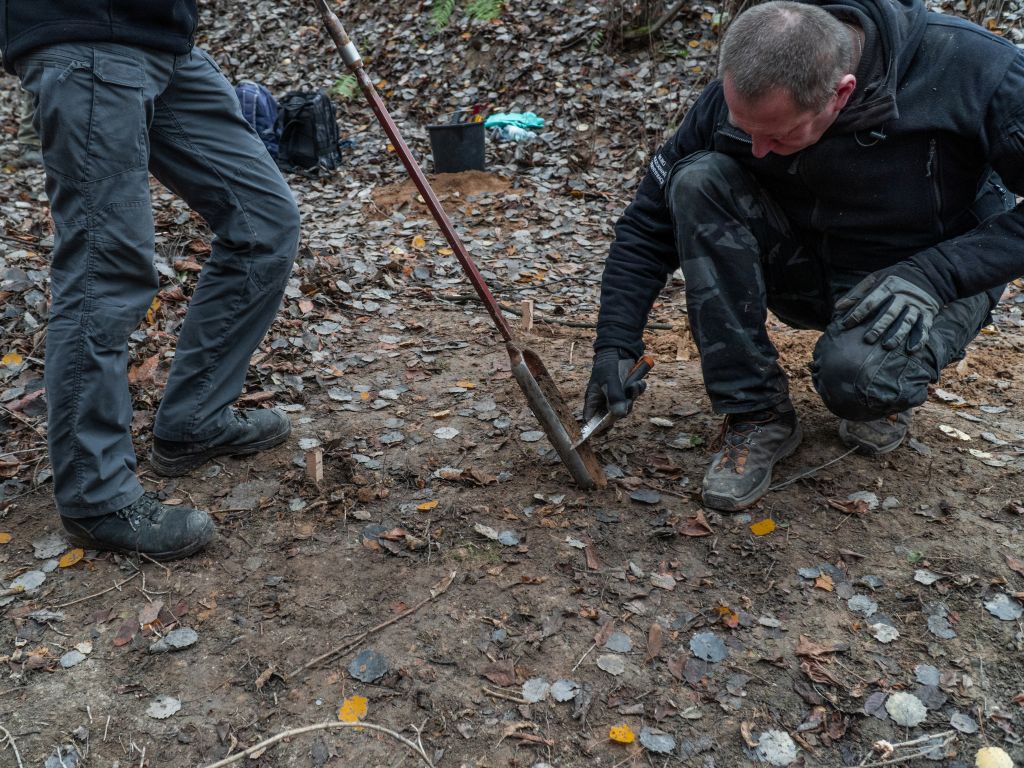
(203, 149)
(93, 102)
(740, 257)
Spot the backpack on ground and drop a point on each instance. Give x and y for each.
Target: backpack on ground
(307, 131)
(259, 108)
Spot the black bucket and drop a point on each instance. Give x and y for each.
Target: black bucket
(457, 147)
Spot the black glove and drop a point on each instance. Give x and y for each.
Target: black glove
(605, 391)
(896, 310)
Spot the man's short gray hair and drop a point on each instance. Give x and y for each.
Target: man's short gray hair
(796, 47)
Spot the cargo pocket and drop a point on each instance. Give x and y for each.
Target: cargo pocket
(117, 141)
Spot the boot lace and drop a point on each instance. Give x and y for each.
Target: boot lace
(734, 440)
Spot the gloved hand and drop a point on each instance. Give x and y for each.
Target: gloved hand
(895, 309)
(605, 391)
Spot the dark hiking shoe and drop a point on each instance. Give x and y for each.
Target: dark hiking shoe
(249, 432)
(750, 444)
(145, 526)
(877, 436)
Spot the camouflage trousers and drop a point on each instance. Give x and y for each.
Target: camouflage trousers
(740, 258)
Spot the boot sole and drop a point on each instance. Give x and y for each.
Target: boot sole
(168, 467)
(175, 554)
(869, 450)
(730, 504)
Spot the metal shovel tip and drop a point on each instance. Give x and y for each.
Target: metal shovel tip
(555, 417)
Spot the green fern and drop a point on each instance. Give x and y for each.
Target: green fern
(484, 10)
(345, 87)
(441, 14)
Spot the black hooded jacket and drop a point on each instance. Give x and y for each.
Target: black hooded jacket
(908, 174)
(166, 25)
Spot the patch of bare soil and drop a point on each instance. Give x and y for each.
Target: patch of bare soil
(598, 589)
(450, 187)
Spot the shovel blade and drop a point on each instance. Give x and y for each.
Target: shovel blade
(555, 417)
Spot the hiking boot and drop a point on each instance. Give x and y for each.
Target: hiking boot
(750, 444)
(877, 436)
(248, 432)
(144, 527)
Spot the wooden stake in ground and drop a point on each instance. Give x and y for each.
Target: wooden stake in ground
(527, 319)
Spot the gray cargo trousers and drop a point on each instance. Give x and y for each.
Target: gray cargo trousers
(108, 115)
(741, 257)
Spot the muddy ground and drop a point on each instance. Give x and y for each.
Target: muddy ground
(446, 547)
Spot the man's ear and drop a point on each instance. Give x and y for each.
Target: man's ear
(844, 90)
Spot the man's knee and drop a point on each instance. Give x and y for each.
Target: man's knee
(861, 381)
(699, 174)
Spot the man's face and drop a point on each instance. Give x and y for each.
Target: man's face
(776, 124)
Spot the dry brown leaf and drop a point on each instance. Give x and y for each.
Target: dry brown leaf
(695, 526)
(849, 506)
(655, 639)
(807, 647)
(501, 673)
(150, 613)
(1015, 564)
(824, 582)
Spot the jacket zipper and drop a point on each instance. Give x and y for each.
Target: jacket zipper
(931, 171)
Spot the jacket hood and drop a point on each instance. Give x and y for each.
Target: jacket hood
(893, 31)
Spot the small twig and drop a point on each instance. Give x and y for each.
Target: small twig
(809, 472)
(10, 740)
(503, 695)
(97, 594)
(436, 592)
(417, 748)
(12, 591)
(946, 737)
(24, 420)
(585, 654)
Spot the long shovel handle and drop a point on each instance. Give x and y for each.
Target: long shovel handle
(352, 60)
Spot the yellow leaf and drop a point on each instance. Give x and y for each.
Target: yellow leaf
(445, 251)
(71, 557)
(465, 384)
(441, 414)
(151, 314)
(426, 506)
(352, 709)
(5, 538)
(12, 358)
(824, 582)
(762, 527)
(622, 734)
(364, 395)
(419, 243)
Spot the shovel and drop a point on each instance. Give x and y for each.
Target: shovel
(541, 392)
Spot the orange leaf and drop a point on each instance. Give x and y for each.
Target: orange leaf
(622, 734)
(352, 709)
(11, 358)
(427, 506)
(762, 527)
(824, 582)
(71, 557)
(419, 243)
(729, 617)
(5, 538)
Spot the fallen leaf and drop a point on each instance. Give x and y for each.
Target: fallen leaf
(71, 557)
(353, 709)
(992, 757)
(11, 358)
(807, 647)
(418, 242)
(696, 526)
(149, 613)
(5, 538)
(824, 581)
(655, 638)
(729, 617)
(762, 527)
(501, 673)
(1015, 563)
(427, 505)
(621, 734)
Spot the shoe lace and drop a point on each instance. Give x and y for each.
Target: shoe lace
(146, 507)
(734, 440)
